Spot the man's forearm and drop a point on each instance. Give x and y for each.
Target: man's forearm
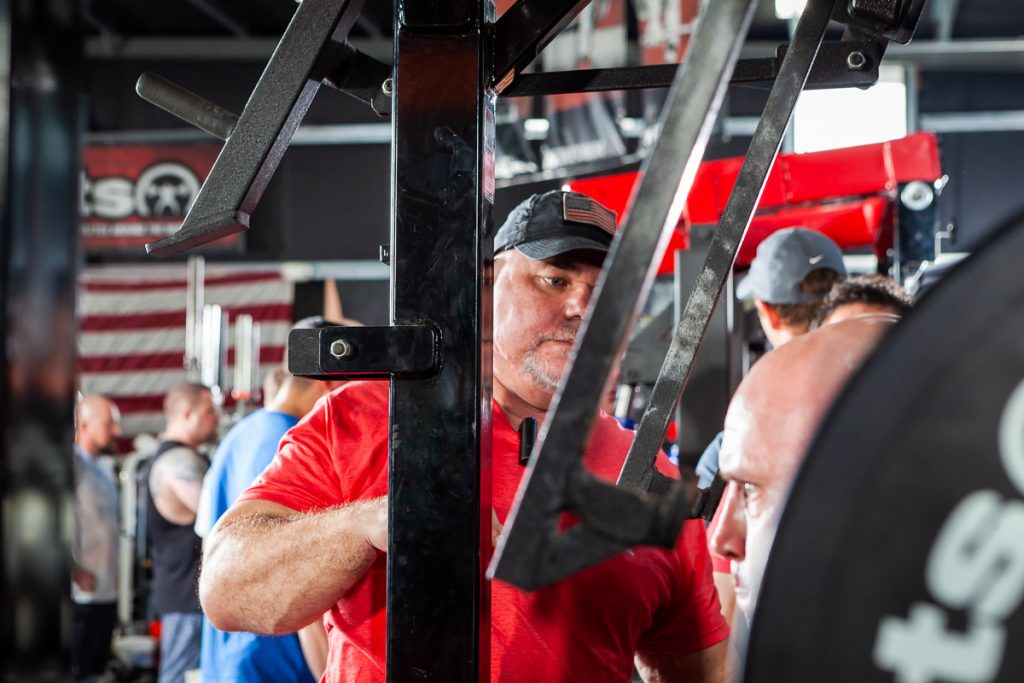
(272, 570)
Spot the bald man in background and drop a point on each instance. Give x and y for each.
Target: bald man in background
(768, 428)
(94, 580)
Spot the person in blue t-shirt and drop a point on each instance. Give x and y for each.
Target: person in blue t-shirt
(240, 458)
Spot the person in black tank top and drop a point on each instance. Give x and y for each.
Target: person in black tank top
(176, 552)
(174, 478)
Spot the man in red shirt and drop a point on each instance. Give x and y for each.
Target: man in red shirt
(308, 538)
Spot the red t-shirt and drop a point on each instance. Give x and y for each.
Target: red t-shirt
(584, 628)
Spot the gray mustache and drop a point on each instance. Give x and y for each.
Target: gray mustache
(566, 334)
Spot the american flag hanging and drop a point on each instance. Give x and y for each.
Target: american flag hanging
(131, 326)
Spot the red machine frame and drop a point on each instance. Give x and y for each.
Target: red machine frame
(847, 194)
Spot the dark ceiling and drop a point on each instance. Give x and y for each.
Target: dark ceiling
(215, 18)
(241, 19)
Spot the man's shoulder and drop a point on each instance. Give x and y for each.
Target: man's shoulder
(172, 447)
(176, 457)
(264, 417)
(365, 396)
(174, 451)
(258, 426)
(362, 390)
(250, 445)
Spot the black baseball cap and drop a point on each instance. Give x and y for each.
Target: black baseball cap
(546, 225)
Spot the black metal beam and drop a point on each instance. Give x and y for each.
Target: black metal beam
(265, 127)
(345, 68)
(440, 254)
(834, 68)
(40, 86)
(526, 29)
(533, 552)
(736, 217)
(186, 105)
(359, 75)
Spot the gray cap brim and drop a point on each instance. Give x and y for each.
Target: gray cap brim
(745, 289)
(550, 247)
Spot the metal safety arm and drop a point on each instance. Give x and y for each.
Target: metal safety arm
(638, 472)
(259, 138)
(533, 553)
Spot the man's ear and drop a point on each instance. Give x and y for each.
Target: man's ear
(767, 313)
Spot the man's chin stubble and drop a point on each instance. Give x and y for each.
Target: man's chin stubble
(538, 375)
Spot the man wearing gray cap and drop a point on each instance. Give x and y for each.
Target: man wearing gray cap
(792, 272)
(307, 538)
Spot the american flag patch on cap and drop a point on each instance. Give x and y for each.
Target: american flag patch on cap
(579, 208)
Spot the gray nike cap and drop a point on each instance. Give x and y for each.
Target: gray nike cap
(782, 262)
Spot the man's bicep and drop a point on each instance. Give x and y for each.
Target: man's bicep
(244, 514)
(703, 666)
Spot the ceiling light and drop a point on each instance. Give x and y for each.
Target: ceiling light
(789, 9)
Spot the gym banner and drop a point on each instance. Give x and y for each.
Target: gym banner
(134, 194)
(514, 154)
(582, 127)
(665, 27)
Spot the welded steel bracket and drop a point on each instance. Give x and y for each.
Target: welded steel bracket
(364, 352)
(524, 30)
(311, 51)
(891, 20)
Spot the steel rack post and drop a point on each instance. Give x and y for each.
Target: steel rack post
(533, 553)
(40, 159)
(438, 618)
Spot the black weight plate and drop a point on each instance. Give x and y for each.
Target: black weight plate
(914, 434)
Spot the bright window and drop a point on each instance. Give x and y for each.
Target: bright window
(832, 119)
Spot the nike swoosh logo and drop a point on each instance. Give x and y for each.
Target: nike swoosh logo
(815, 259)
